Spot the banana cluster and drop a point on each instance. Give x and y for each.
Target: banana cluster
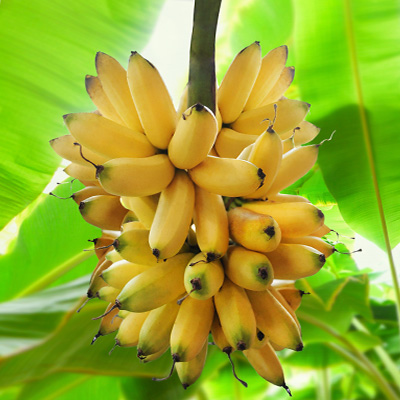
(195, 228)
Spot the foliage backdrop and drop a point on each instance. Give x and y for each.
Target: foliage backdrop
(347, 63)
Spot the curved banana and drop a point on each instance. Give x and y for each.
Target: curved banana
(113, 255)
(103, 211)
(294, 219)
(295, 261)
(136, 176)
(96, 92)
(109, 323)
(87, 192)
(144, 207)
(153, 102)
(230, 144)
(128, 332)
(278, 296)
(194, 137)
(236, 315)
(211, 222)
(322, 231)
(108, 294)
(288, 144)
(203, 279)
(292, 296)
(191, 328)
(106, 137)
(288, 115)
(287, 198)
(281, 85)
(248, 269)
(173, 217)
(304, 133)
(227, 176)
(64, 146)
(84, 173)
(156, 286)
(253, 230)
(101, 244)
(295, 164)
(190, 371)
(156, 331)
(113, 79)
(274, 320)
(245, 154)
(313, 241)
(238, 82)
(271, 68)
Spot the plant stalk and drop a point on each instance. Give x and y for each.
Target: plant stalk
(202, 79)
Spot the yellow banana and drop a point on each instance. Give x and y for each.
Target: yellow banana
(84, 173)
(278, 296)
(194, 137)
(281, 85)
(154, 356)
(173, 217)
(288, 115)
(287, 198)
(133, 246)
(260, 341)
(203, 279)
(108, 294)
(274, 320)
(87, 192)
(238, 82)
(245, 154)
(211, 221)
(136, 176)
(236, 315)
(294, 219)
(156, 286)
(190, 371)
(267, 365)
(304, 133)
(115, 85)
(227, 176)
(131, 217)
(96, 92)
(64, 146)
(295, 164)
(230, 144)
(295, 261)
(313, 241)
(267, 155)
(322, 231)
(272, 66)
(121, 272)
(103, 211)
(253, 230)
(153, 102)
(288, 144)
(107, 138)
(113, 255)
(101, 244)
(248, 269)
(191, 328)
(128, 332)
(292, 296)
(156, 331)
(144, 207)
(109, 323)
(131, 224)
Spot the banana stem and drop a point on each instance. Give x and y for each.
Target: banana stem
(202, 79)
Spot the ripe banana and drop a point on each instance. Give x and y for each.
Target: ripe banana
(278, 296)
(236, 315)
(128, 332)
(190, 371)
(248, 269)
(245, 154)
(108, 294)
(136, 176)
(153, 102)
(87, 192)
(322, 231)
(96, 92)
(230, 144)
(281, 85)
(113, 255)
(84, 173)
(194, 137)
(292, 296)
(107, 138)
(289, 114)
(191, 328)
(211, 221)
(227, 176)
(121, 272)
(274, 320)
(313, 241)
(64, 146)
(115, 85)
(144, 207)
(287, 198)
(156, 331)
(238, 82)
(294, 219)
(173, 217)
(100, 244)
(103, 211)
(156, 286)
(131, 224)
(295, 261)
(253, 230)
(108, 324)
(304, 133)
(271, 68)
(203, 279)
(288, 144)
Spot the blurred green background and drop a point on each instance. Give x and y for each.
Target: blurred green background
(347, 59)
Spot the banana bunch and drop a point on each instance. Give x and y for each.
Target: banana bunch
(194, 227)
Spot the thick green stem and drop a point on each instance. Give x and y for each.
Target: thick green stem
(202, 79)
